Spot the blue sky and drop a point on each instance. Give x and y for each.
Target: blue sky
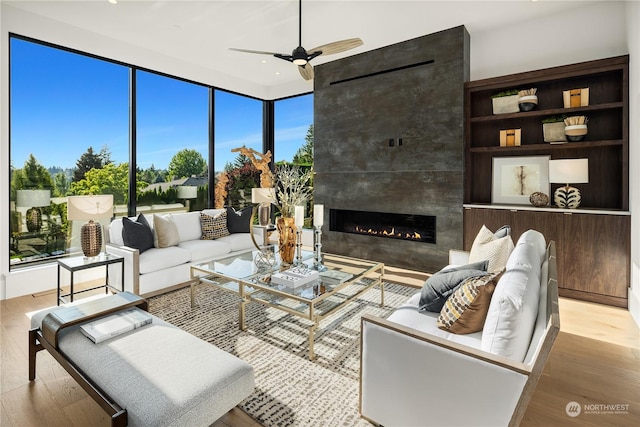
(62, 103)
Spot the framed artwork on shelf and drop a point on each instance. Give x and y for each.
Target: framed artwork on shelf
(515, 178)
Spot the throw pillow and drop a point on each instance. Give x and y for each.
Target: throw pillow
(214, 227)
(486, 246)
(165, 231)
(466, 310)
(239, 221)
(137, 234)
(440, 286)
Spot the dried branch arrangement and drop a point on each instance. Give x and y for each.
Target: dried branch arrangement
(576, 120)
(527, 92)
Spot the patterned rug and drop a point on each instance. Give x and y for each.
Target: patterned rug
(290, 389)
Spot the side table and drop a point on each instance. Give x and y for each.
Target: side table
(78, 263)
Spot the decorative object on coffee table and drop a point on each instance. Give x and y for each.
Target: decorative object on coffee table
(90, 208)
(299, 222)
(318, 222)
(292, 189)
(565, 171)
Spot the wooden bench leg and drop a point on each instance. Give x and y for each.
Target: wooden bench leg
(34, 348)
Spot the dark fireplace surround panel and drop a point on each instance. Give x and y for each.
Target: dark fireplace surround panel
(389, 143)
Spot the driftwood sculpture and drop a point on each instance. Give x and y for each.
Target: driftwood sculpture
(261, 162)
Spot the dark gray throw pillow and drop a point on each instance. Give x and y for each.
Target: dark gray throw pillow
(137, 234)
(239, 221)
(442, 284)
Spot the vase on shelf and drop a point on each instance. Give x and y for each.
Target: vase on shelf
(286, 238)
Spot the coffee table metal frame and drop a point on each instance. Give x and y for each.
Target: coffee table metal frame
(251, 287)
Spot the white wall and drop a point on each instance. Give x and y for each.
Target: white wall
(633, 38)
(602, 32)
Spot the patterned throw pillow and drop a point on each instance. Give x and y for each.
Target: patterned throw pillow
(214, 227)
(466, 309)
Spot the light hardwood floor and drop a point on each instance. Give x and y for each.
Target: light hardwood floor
(595, 361)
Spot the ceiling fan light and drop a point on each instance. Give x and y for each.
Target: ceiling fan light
(300, 61)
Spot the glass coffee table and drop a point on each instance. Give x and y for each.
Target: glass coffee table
(239, 274)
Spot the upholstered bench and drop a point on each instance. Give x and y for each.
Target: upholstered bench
(156, 375)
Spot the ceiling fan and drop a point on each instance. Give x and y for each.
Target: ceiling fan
(301, 57)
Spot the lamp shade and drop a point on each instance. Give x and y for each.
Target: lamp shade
(569, 171)
(187, 192)
(90, 207)
(263, 195)
(33, 198)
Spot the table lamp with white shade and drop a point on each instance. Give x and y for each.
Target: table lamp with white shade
(34, 200)
(90, 208)
(568, 171)
(187, 193)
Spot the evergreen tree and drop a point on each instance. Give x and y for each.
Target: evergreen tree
(86, 162)
(304, 155)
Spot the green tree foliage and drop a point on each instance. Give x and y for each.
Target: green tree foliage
(60, 185)
(186, 163)
(304, 155)
(111, 179)
(87, 161)
(32, 176)
(153, 175)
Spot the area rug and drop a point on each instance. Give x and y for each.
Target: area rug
(290, 389)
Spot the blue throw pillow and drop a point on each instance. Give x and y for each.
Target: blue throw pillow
(442, 284)
(137, 234)
(239, 221)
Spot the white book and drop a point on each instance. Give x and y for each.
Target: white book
(115, 324)
(295, 277)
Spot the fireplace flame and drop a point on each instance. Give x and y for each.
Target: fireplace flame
(388, 233)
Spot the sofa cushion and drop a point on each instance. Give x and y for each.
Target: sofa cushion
(165, 231)
(188, 224)
(238, 221)
(487, 246)
(466, 309)
(156, 259)
(409, 315)
(512, 313)
(213, 227)
(239, 241)
(137, 234)
(201, 250)
(440, 286)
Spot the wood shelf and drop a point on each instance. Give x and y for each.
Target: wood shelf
(594, 241)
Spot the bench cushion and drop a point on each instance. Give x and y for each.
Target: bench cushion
(162, 375)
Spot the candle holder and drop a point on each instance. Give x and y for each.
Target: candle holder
(298, 246)
(317, 259)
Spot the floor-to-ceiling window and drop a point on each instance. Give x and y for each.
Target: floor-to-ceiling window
(293, 139)
(69, 136)
(172, 143)
(238, 125)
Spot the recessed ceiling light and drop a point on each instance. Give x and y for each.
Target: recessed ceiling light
(264, 61)
(277, 73)
(113, 1)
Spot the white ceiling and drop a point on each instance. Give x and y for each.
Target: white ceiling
(199, 33)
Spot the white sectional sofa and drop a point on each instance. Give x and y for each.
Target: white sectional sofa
(415, 374)
(160, 269)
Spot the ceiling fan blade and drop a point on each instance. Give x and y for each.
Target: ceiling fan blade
(306, 71)
(337, 47)
(254, 51)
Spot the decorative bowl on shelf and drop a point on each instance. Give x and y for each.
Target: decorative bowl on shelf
(528, 102)
(575, 133)
(539, 199)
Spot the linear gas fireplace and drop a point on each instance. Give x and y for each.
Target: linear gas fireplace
(418, 228)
